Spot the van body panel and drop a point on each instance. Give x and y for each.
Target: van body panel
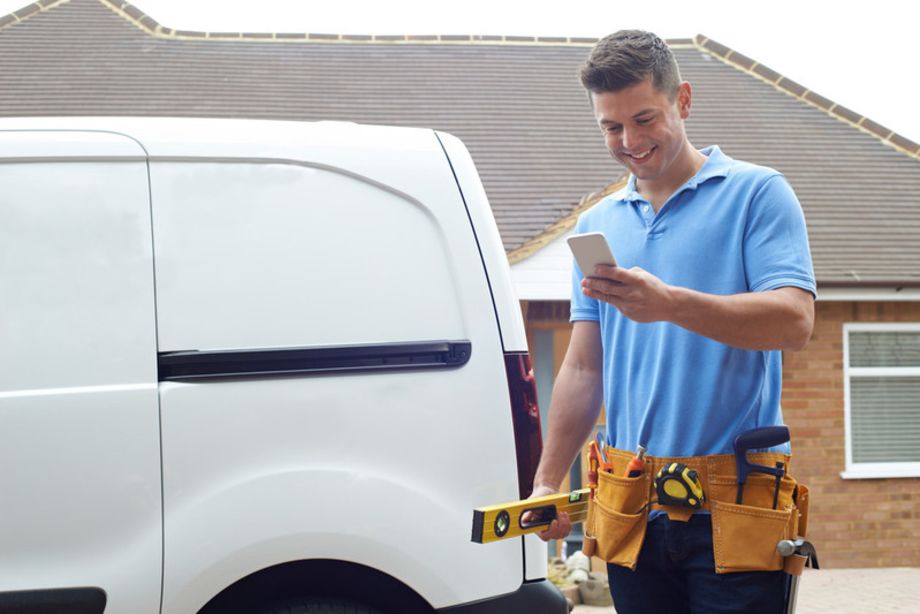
(253, 255)
(348, 455)
(79, 443)
(507, 307)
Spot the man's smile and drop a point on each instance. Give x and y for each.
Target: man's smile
(640, 156)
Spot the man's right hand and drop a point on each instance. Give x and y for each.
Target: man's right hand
(560, 527)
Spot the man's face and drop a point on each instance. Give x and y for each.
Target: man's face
(643, 128)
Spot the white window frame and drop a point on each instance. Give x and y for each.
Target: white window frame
(855, 470)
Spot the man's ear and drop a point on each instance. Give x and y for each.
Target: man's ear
(684, 96)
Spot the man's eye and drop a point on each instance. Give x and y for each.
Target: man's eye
(611, 128)
(644, 121)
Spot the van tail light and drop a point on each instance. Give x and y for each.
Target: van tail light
(525, 416)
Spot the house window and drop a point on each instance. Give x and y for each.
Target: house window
(882, 400)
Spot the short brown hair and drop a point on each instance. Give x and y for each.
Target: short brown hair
(628, 57)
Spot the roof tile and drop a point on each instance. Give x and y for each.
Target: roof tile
(819, 100)
(134, 12)
(716, 48)
(767, 73)
(847, 114)
(149, 23)
(791, 86)
(742, 60)
(190, 33)
(905, 143)
(26, 11)
(875, 128)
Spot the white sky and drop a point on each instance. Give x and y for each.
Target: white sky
(860, 54)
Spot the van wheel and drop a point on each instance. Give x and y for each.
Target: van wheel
(307, 605)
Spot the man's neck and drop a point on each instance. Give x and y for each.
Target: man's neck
(658, 191)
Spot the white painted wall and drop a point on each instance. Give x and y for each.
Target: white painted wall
(547, 275)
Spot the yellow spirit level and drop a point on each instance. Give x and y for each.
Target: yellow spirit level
(506, 520)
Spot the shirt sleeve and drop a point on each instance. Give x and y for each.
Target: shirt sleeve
(776, 252)
(582, 307)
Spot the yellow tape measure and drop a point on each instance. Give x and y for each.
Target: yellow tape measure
(505, 520)
(677, 484)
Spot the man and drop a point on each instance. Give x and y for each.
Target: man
(682, 342)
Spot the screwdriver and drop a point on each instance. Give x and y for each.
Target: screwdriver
(637, 464)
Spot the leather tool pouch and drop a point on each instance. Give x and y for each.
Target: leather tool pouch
(618, 518)
(744, 536)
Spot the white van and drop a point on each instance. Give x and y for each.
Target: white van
(250, 366)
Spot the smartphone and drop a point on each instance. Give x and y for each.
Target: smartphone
(590, 249)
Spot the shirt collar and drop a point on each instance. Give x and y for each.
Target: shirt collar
(717, 164)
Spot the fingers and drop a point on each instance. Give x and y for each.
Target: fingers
(616, 273)
(558, 528)
(604, 289)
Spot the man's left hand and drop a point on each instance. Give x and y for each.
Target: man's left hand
(636, 293)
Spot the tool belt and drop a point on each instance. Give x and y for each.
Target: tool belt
(744, 536)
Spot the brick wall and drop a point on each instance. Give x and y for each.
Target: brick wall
(853, 523)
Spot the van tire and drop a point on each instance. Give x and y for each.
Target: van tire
(309, 605)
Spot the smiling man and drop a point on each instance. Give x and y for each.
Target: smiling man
(682, 342)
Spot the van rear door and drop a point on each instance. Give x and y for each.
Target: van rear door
(80, 501)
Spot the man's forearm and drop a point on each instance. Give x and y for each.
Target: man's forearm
(779, 319)
(572, 416)
(776, 320)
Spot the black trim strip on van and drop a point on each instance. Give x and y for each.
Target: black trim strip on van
(179, 366)
(84, 600)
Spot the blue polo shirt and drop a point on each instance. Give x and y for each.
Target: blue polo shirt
(733, 227)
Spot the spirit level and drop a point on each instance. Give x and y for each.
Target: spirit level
(503, 521)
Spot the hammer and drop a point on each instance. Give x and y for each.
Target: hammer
(798, 553)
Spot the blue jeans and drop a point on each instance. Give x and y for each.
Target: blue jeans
(676, 574)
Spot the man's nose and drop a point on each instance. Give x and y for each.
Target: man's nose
(626, 137)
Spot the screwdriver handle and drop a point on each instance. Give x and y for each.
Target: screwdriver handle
(594, 462)
(636, 464)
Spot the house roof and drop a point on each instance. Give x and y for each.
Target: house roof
(515, 101)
